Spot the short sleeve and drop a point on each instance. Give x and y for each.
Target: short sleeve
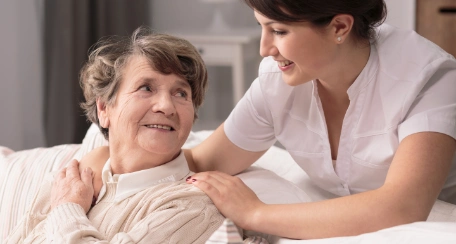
(434, 109)
(250, 125)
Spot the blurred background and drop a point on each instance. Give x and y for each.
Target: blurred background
(44, 44)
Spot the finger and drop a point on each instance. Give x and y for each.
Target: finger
(61, 174)
(213, 177)
(207, 188)
(87, 176)
(215, 174)
(73, 169)
(222, 176)
(207, 182)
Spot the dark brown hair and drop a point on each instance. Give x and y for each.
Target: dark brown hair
(101, 76)
(367, 14)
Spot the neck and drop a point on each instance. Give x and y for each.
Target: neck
(129, 160)
(350, 61)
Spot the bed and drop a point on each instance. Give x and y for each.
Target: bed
(22, 172)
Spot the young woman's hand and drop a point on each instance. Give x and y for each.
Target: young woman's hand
(70, 186)
(230, 195)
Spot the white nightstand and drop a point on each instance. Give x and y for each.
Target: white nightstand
(234, 47)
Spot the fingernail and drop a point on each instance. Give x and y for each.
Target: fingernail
(89, 170)
(188, 178)
(193, 180)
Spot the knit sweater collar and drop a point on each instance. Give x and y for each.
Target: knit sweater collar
(131, 183)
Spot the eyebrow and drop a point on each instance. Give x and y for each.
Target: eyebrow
(184, 83)
(269, 23)
(179, 82)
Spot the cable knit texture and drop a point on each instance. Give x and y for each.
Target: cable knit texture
(173, 212)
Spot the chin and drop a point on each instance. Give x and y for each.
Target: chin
(163, 149)
(295, 81)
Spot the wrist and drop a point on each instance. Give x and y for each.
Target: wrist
(256, 218)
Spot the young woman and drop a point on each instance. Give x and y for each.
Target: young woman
(367, 110)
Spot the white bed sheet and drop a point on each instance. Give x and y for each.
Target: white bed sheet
(418, 232)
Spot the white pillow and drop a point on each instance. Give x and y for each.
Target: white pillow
(22, 173)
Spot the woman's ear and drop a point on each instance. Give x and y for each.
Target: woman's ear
(341, 26)
(102, 113)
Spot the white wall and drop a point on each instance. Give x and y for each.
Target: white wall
(401, 13)
(21, 115)
(10, 131)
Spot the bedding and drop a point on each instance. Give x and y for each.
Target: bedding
(22, 172)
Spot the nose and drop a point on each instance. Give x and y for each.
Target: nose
(267, 47)
(163, 103)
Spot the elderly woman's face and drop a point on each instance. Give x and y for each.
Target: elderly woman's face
(153, 112)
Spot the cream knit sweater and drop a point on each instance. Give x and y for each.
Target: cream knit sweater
(174, 212)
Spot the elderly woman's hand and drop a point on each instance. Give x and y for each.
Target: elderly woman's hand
(71, 186)
(230, 195)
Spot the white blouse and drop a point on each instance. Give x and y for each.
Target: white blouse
(407, 86)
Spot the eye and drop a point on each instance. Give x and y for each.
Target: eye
(144, 88)
(279, 33)
(181, 94)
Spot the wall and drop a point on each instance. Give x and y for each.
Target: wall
(174, 14)
(21, 99)
(401, 13)
(9, 105)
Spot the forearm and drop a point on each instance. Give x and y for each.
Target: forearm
(217, 152)
(345, 216)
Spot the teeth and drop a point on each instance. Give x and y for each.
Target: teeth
(284, 63)
(165, 127)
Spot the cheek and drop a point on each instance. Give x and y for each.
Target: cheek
(130, 111)
(187, 116)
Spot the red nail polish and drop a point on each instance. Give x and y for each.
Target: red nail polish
(188, 178)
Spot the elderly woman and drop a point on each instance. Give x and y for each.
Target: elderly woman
(143, 93)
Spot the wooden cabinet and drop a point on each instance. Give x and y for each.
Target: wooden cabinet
(436, 20)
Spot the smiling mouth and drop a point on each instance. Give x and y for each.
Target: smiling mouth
(164, 127)
(284, 63)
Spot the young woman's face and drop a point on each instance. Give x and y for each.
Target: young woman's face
(153, 112)
(302, 52)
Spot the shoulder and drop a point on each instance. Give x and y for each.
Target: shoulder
(178, 195)
(408, 52)
(99, 154)
(408, 62)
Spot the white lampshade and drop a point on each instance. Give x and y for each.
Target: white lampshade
(218, 25)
